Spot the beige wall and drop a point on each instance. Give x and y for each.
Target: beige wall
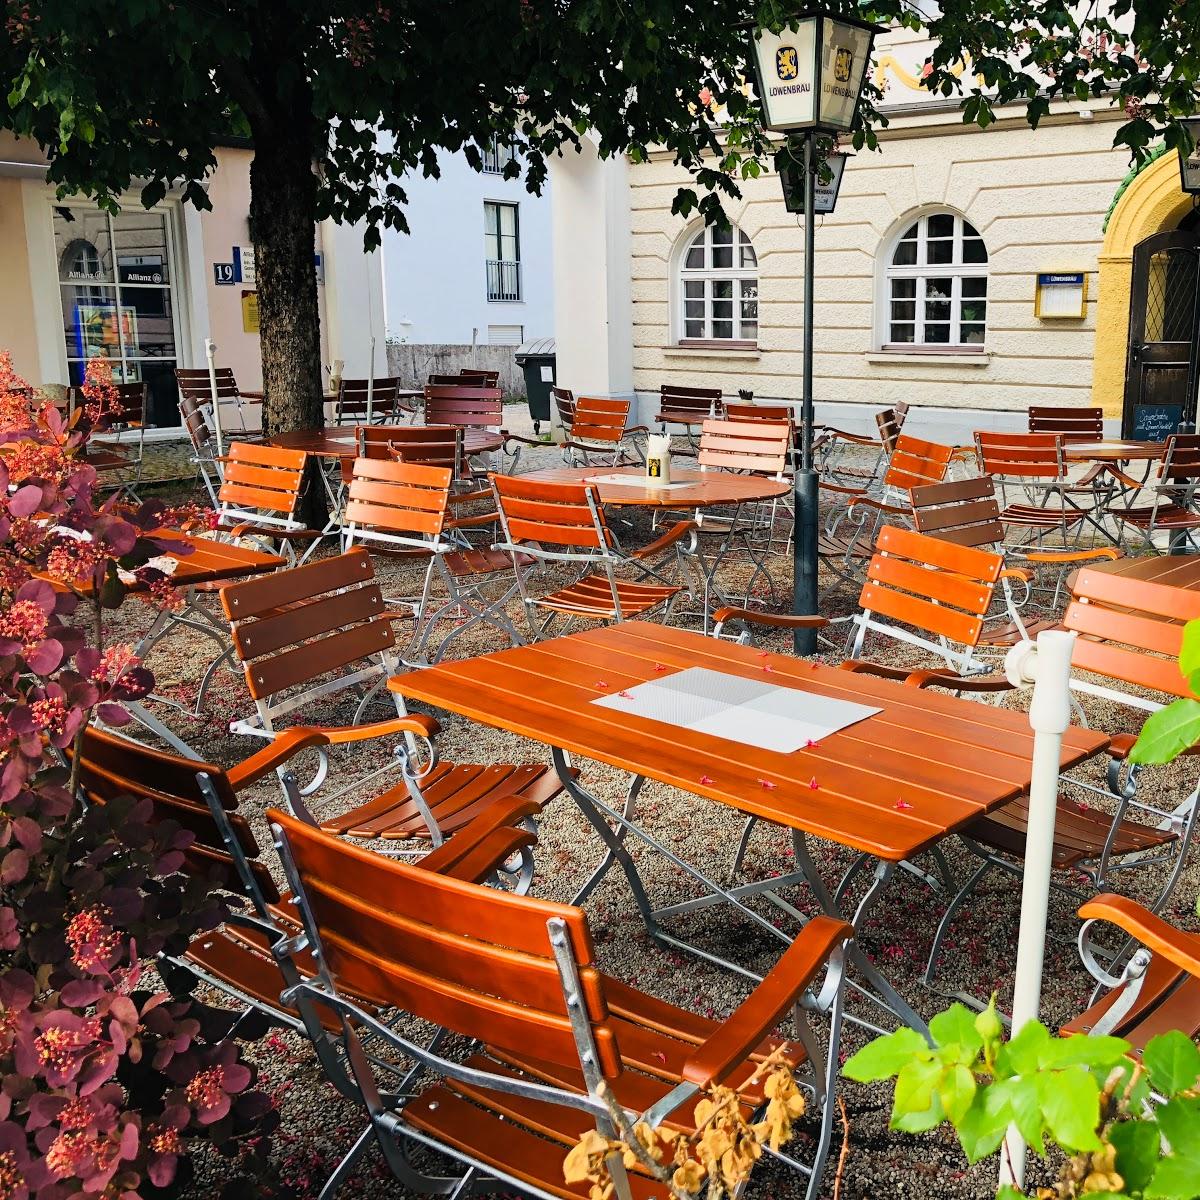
(18, 331)
(1037, 197)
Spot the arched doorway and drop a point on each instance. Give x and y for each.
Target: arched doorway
(1164, 335)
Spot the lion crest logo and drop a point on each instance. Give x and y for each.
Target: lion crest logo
(787, 64)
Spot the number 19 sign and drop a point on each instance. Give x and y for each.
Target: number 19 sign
(224, 274)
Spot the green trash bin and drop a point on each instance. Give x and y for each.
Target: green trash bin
(536, 360)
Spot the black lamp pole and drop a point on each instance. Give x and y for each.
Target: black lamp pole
(806, 498)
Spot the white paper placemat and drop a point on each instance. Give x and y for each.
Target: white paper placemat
(619, 477)
(748, 711)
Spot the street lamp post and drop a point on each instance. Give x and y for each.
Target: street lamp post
(809, 77)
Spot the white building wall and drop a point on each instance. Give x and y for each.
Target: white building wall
(435, 276)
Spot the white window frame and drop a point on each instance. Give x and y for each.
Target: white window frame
(956, 271)
(681, 275)
(497, 155)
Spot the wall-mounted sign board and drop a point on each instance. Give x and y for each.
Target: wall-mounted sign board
(1061, 295)
(243, 265)
(224, 274)
(249, 312)
(1155, 422)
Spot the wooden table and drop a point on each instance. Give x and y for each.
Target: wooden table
(1174, 570)
(1113, 451)
(891, 786)
(705, 488)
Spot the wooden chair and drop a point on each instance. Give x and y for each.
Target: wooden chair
(466, 407)
(1075, 424)
(1174, 511)
(516, 979)
(239, 957)
(564, 402)
(1130, 632)
(489, 379)
(1031, 468)
(685, 409)
(404, 508)
(259, 497)
(311, 633)
(849, 530)
(118, 443)
(195, 384)
(967, 513)
(599, 436)
(836, 443)
(1158, 988)
(380, 396)
(563, 523)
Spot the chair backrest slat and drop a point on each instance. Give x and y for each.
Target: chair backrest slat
(1130, 629)
(564, 401)
(554, 513)
(915, 462)
(262, 477)
(488, 379)
(355, 397)
(1020, 455)
(757, 446)
(1181, 459)
(475, 960)
(689, 402)
(937, 586)
(599, 419)
(194, 383)
(469, 407)
(1075, 424)
(964, 511)
(396, 497)
(889, 423)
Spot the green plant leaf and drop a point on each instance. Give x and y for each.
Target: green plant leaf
(1177, 1178)
(886, 1056)
(1022, 1055)
(1071, 1107)
(1173, 1063)
(982, 1128)
(916, 1107)
(1027, 1111)
(1138, 1145)
(956, 1026)
(1168, 733)
(1189, 652)
(1008, 1192)
(1081, 1049)
(956, 1090)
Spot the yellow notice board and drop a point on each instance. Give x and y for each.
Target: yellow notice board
(250, 312)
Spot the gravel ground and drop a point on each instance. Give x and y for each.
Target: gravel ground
(318, 1125)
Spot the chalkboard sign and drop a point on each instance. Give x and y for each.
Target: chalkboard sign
(1155, 422)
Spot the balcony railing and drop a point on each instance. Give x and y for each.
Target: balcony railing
(503, 279)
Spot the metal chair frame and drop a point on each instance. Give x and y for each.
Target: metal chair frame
(1175, 508)
(380, 396)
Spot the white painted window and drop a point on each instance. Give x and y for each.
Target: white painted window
(497, 155)
(718, 287)
(506, 335)
(936, 285)
(502, 250)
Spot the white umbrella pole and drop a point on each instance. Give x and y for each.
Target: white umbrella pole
(371, 383)
(210, 352)
(1048, 667)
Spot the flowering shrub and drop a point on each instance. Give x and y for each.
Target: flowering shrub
(104, 1083)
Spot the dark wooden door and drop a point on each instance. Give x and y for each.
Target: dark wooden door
(1160, 377)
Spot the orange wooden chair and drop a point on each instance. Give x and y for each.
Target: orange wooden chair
(259, 498)
(309, 634)
(1074, 424)
(239, 957)
(1174, 512)
(564, 524)
(196, 385)
(404, 508)
(967, 513)
(1036, 494)
(600, 437)
(1155, 991)
(467, 406)
(370, 402)
(515, 979)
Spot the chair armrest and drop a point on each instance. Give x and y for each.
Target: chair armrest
(677, 532)
(466, 497)
(1107, 553)
(414, 723)
(1022, 574)
(1178, 948)
(761, 1011)
(246, 527)
(878, 505)
(516, 437)
(635, 429)
(283, 747)
(862, 666)
(1128, 480)
(775, 620)
(958, 683)
(841, 489)
(859, 439)
(474, 521)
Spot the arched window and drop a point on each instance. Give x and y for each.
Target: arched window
(936, 285)
(718, 287)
